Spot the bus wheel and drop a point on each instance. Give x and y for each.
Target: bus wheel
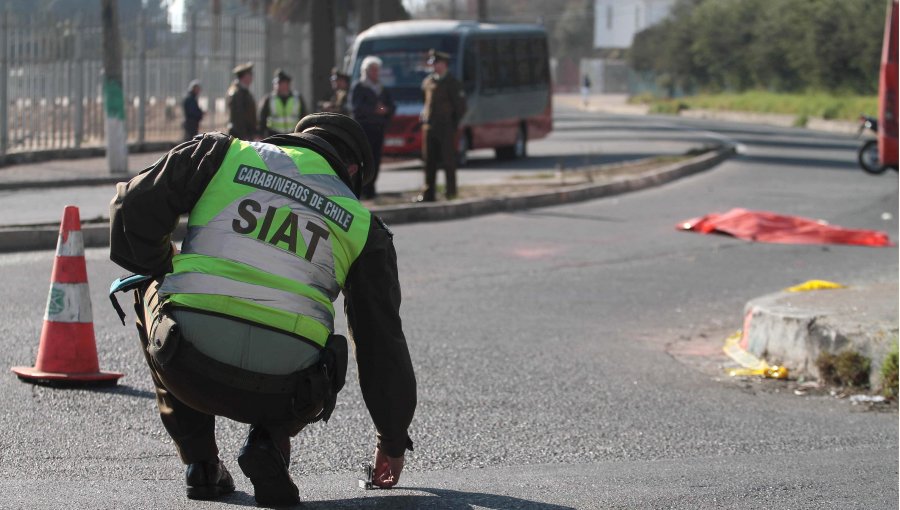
(520, 148)
(462, 150)
(517, 150)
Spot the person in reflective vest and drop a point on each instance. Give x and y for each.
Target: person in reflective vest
(280, 110)
(239, 322)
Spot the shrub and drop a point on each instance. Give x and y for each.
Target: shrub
(889, 374)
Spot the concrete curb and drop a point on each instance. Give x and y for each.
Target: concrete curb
(515, 202)
(792, 328)
(44, 237)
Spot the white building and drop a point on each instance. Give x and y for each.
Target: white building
(616, 21)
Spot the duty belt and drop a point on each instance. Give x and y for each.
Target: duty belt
(190, 358)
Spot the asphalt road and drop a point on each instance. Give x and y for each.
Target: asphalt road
(540, 343)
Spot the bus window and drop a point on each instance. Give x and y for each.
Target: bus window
(403, 61)
(470, 67)
(505, 67)
(488, 66)
(523, 64)
(539, 55)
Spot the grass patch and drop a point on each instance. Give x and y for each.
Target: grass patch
(813, 104)
(848, 368)
(889, 374)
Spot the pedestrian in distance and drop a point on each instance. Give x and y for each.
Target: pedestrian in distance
(445, 105)
(281, 109)
(340, 85)
(240, 322)
(373, 108)
(585, 89)
(192, 112)
(241, 104)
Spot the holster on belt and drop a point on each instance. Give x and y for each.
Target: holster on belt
(321, 382)
(164, 339)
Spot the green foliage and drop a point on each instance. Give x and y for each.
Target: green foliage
(804, 106)
(777, 45)
(572, 34)
(848, 368)
(889, 374)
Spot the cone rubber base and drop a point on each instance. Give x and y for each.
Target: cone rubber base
(35, 376)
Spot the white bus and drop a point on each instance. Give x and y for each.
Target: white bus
(504, 70)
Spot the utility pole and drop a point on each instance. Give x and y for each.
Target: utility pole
(322, 27)
(482, 11)
(113, 96)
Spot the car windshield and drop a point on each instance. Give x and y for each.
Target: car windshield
(404, 61)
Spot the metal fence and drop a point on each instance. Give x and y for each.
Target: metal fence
(51, 75)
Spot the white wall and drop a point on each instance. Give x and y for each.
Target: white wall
(616, 21)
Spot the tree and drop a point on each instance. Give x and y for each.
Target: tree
(780, 45)
(573, 33)
(113, 97)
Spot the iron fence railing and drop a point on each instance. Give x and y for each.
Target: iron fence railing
(51, 75)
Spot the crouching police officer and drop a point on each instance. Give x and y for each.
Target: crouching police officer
(239, 324)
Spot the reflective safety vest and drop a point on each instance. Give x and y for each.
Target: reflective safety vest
(270, 241)
(283, 115)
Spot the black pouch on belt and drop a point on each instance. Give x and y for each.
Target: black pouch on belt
(164, 339)
(321, 382)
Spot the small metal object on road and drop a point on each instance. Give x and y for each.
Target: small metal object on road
(366, 483)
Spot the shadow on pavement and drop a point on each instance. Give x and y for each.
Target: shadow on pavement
(825, 164)
(553, 214)
(127, 391)
(437, 499)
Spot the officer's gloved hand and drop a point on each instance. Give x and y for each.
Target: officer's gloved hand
(387, 469)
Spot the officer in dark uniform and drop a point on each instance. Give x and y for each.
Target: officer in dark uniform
(241, 104)
(445, 105)
(340, 87)
(240, 323)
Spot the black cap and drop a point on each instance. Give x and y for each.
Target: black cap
(240, 69)
(280, 75)
(435, 55)
(337, 74)
(335, 125)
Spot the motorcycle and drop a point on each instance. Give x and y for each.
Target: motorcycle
(868, 153)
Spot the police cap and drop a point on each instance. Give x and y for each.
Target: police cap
(435, 55)
(336, 74)
(241, 69)
(280, 75)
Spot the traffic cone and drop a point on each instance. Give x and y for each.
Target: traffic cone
(67, 354)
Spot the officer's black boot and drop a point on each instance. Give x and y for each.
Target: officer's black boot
(266, 467)
(208, 480)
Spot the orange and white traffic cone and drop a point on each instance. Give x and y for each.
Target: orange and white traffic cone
(67, 354)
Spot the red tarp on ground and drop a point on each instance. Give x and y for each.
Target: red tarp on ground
(767, 227)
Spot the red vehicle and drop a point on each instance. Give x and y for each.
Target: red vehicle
(887, 92)
(504, 70)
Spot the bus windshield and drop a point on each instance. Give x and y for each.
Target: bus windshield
(403, 61)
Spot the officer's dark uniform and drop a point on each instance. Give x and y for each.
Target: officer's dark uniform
(191, 388)
(337, 103)
(445, 105)
(241, 106)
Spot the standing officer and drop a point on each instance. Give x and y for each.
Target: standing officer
(192, 112)
(445, 105)
(240, 323)
(340, 85)
(280, 110)
(241, 104)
